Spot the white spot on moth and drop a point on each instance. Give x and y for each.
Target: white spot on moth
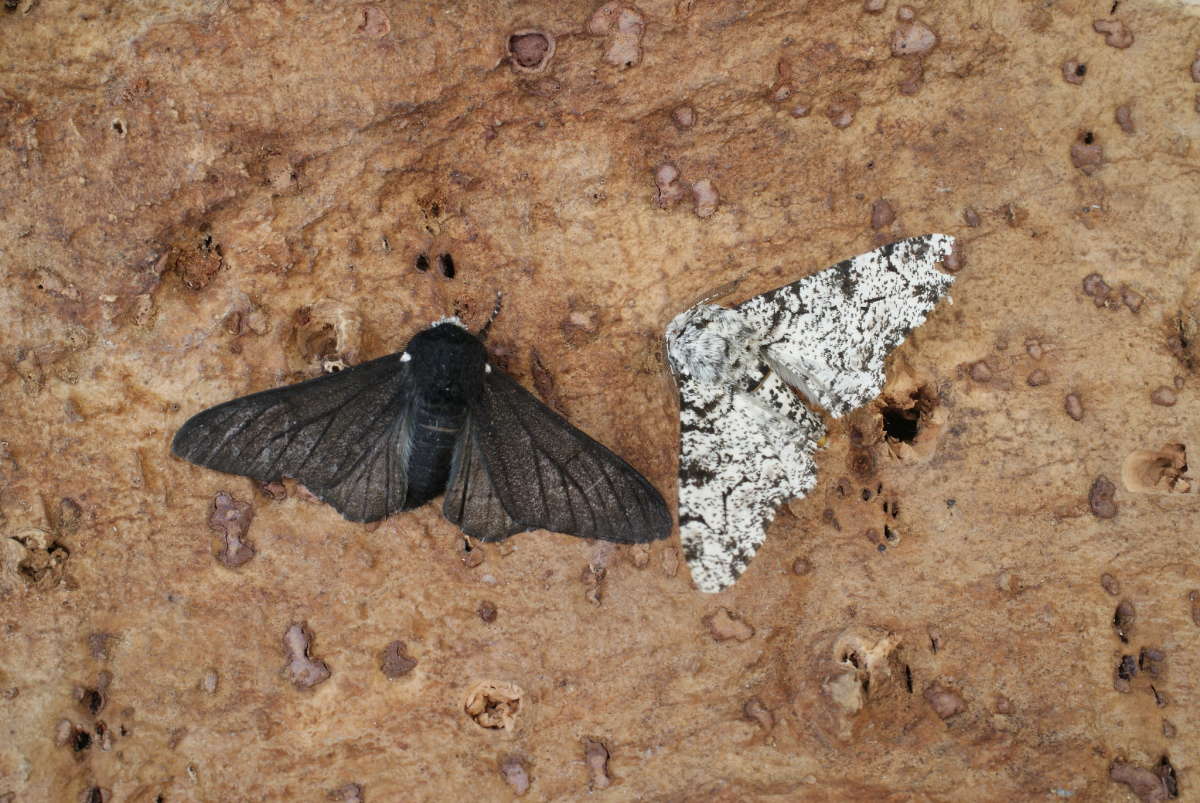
(487, 368)
(405, 357)
(746, 439)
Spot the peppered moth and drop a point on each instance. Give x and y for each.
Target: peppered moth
(747, 436)
(391, 434)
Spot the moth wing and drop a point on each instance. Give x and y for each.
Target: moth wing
(742, 453)
(829, 334)
(526, 461)
(471, 501)
(344, 436)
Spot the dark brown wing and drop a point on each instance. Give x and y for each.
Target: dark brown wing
(344, 436)
(521, 466)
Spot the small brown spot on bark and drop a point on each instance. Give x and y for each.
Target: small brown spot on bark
(882, 214)
(913, 39)
(1100, 498)
(304, 670)
(706, 198)
(1087, 154)
(1074, 406)
(197, 263)
(755, 711)
(1073, 72)
(1124, 117)
(1110, 584)
(1095, 286)
(1123, 619)
(725, 625)
(944, 701)
(98, 645)
(515, 774)
(1131, 299)
(232, 519)
(530, 51)
(1163, 396)
(596, 754)
(639, 555)
(487, 611)
(684, 117)
(394, 661)
(1116, 33)
(1148, 785)
(374, 22)
(670, 561)
(348, 793)
(956, 259)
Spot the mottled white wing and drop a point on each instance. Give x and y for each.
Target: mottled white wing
(829, 334)
(744, 449)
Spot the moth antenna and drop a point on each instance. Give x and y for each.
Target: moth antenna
(487, 326)
(719, 292)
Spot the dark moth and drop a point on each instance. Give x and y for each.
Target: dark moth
(393, 433)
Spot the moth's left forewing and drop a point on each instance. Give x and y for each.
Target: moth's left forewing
(746, 445)
(345, 436)
(549, 475)
(829, 334)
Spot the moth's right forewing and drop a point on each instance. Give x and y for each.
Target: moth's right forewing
(344, 436)
(550, 475)
(829, 334)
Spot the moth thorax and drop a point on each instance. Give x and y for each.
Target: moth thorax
(707, 342)
(447, 363)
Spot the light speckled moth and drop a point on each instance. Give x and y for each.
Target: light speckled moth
(746, 435)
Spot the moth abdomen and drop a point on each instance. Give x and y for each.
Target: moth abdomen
(435, 430)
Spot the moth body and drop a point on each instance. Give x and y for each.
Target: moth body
(448, 367)
(436, 419)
